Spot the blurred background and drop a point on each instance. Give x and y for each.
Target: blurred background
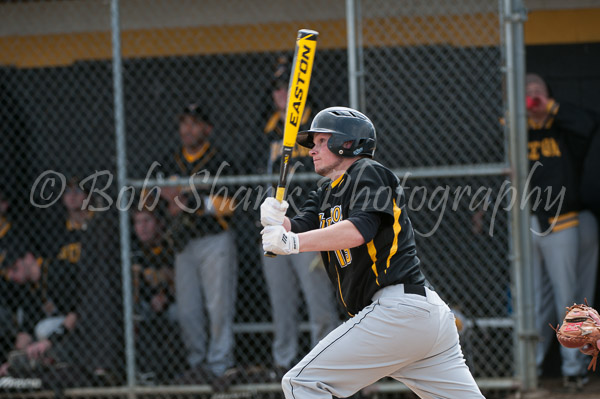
(78, 119)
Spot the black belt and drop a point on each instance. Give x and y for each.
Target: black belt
(415, 289)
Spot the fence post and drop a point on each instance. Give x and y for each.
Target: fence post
(123, 211)
(356, 92)
(526, 334)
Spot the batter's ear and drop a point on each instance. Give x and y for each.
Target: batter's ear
(347, 145)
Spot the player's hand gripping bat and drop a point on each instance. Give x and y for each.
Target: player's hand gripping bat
(304, 56)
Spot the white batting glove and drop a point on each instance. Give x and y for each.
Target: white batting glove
(272, 212)
(278, 241)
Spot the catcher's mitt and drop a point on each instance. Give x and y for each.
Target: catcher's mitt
(581, 329)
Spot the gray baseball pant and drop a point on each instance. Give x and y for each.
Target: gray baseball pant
(587, 261)
(587, 264)
(206, 276)
(408, 337)
(286, 276)
(554, 261)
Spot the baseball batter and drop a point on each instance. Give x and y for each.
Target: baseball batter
(398, 327)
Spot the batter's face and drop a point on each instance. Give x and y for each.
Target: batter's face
(193, 132)
(326, 162)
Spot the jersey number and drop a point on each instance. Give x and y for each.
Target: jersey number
(344, 257)
(70, 252)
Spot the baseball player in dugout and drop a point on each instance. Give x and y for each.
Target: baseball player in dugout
(71, 230)
(565, 239)
(286, 275)
(357, 218)
(205, 259)
(154, 295)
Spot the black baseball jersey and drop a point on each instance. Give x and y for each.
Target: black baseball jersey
(389, 258)
(5, 226)
(548, 144)
(207, 162)
(155, 262)
(55, 293)
(68, 237)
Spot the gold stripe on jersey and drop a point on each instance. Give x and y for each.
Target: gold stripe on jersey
(564, 217)
(276, 116)
(205, 160)
(562, 222)
(191, 158)
(207, 157)
(5, 227)
(340, 288)
(180, 164)
(548, 124)
(397, 230)
(337, 181)
(222, 222)
(306, 115)
(552, 108)
(373, 254)
(272, 123)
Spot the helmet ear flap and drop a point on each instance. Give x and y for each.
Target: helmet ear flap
(336, 144)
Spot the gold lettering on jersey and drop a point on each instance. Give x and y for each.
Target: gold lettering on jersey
(547, 147)
(70, 252)
(343, 256)
(336, 213)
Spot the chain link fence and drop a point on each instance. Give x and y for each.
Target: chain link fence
(201, 86)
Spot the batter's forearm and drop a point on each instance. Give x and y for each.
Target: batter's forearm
(341, 235)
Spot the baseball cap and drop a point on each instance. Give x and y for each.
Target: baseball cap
(196, 111)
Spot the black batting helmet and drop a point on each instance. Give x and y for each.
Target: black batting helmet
(344, 124)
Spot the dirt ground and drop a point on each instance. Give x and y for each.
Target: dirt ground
(552, 388)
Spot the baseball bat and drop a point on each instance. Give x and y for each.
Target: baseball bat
(304, 57)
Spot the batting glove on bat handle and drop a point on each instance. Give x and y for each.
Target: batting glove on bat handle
(272, 212)
(278, 241)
